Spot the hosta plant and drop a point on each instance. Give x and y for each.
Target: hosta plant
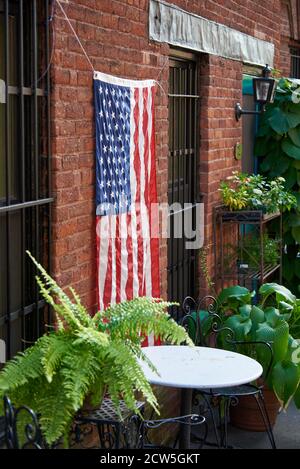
(270, 321)
(86, 356)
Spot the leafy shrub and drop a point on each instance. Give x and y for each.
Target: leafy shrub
(278, 146)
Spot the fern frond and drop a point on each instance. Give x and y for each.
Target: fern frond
(55, 347)
(125, 376)
(25, 366)
(56, 411)
(80, 311)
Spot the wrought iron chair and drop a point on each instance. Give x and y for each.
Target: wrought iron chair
(192, 322)
(22, 430)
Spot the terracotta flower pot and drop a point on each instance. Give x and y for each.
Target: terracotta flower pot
(246, 414)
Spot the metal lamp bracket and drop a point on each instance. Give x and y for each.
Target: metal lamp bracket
(239, 111)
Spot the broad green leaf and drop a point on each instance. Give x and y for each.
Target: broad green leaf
(293, 107)
(285, 380)
(272, 316)
(237, 293)
(282, 293)
(278, 336)
(285, 307)
(297, 267)
(290, 176)
(293, 351)
(294, 219)
(287, 268)
(296, 233)
(293, 118)
(257, 314)
(297, 397)
(296, 164)
(290, 149)
(278, 121)
(240, 325)
(294, 135)
(245, 310)
(262, 146)
(279, 163)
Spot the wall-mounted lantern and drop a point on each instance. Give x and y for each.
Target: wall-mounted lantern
(263, 92)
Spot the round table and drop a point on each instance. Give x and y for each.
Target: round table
(197, 368)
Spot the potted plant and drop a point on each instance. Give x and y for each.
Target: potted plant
(267, 321)
(86, 356)
(255, 192)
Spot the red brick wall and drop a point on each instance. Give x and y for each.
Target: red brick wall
(115, 36)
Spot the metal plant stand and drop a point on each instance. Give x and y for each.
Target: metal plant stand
(115, 430)
(235, 260)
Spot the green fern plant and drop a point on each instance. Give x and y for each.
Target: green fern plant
(86, 356)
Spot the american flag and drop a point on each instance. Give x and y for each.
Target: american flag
(127, 250)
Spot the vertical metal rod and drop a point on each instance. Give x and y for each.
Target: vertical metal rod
(47, 79)
(173, 144)
(280, 246)
(190, 173)
(221, 251)
(178, 182)
(7, 172)
(185, 157)
(22, 158)
(195, 156)
(35, 147)
(261, 234)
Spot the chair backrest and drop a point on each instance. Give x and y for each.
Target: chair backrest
(201, 319)
(22, 430)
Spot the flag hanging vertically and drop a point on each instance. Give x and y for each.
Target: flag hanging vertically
(126, 197)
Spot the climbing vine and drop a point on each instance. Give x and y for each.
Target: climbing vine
(278, 148)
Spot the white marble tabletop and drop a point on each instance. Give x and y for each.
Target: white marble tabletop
(199, 367)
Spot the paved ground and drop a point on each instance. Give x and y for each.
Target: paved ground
(286, 432)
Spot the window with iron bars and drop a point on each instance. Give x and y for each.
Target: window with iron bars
(25, 198)
(295, 62)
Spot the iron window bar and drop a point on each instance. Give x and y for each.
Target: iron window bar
(295, 62)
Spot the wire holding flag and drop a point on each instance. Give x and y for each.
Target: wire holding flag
(126, 196)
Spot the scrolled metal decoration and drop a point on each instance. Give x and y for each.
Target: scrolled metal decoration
(192, 419)
(32, 437)
(188, 305)
(210, 304)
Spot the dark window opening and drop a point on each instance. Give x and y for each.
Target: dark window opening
(24, 168)
(182, 168)
(295, 62)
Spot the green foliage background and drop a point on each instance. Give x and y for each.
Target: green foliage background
(278, 148)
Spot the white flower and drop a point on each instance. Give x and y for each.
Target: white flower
(257, 191)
